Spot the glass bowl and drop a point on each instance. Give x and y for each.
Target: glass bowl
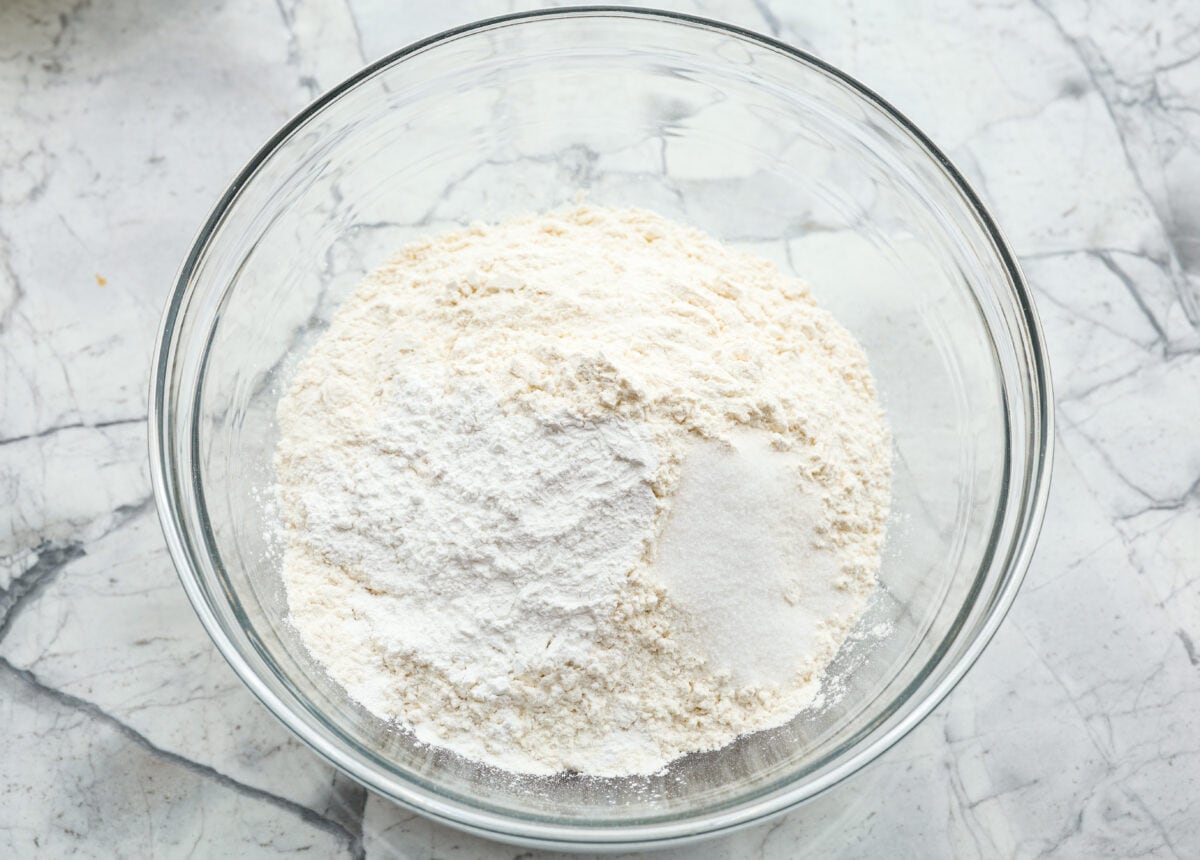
(761, 145)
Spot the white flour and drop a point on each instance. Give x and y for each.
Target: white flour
(583, 491)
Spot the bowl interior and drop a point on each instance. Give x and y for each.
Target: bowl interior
(761, 148)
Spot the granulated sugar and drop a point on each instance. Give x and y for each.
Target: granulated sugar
(742, 557)
(581, 491)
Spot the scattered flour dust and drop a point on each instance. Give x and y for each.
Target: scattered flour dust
(580, 491)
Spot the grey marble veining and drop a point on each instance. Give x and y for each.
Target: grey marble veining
(124, 733)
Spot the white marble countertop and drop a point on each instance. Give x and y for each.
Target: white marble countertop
(125, 733)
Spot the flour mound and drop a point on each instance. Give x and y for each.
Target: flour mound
(582, 491)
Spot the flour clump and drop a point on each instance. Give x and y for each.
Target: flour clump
(580, 491)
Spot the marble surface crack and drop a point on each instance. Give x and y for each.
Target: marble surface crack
(1173, 503)
(16, 288)
(51, 559)
(308, 816)
(306, 82)
(1106, 458)
(1163, 833)
(74, 425)
(1134, 292)
(358, 36)
(66, 19)
(1089, 69)
(1189, 647)
(1062, 838)
(1098, 743)
(769, 17)
(1188, 293)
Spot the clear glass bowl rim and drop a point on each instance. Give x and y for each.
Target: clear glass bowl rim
(1028, 513)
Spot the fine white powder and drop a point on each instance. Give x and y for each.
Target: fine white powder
(582, 491)
(741, 557)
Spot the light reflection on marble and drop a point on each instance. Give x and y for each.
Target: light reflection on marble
(125, 733)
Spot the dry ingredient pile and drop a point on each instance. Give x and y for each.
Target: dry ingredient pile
(583, 491)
